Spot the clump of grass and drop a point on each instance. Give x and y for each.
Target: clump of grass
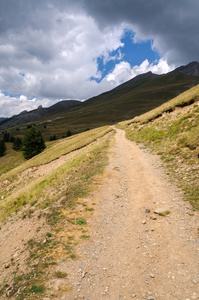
(83, 236)
(35, 289)
(90, 209)
(80, 221)
(48, 234)
(60, 274)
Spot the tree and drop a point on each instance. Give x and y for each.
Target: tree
(6, 136)
(17, 144)
(52, 138)
(2, 148)
(69, 133)
(33, 143)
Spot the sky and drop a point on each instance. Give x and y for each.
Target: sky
(64, 49)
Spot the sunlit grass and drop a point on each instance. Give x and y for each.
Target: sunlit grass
(57, 149)
(71, 180)
(11, 160)
(191, 95)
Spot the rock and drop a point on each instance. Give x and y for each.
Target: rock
(144, 222)
(150, 298)
(7, 266)
(160, 211)
(133, 295)
(146, 210)
(83, 274)
(152, 275)
(153, 217)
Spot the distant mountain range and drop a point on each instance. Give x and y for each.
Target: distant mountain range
(134, 97)
(36, 114)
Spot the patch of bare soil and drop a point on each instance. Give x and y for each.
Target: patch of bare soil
(14, 237)
(134, 253)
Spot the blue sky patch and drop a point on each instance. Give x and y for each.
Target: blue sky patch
(133, 53)
(22, 74)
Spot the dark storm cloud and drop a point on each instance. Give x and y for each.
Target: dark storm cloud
(172, 24)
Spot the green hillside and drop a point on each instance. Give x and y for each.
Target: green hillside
(124, 102)
(172, 131)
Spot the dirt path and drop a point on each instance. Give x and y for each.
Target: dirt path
(130, 255)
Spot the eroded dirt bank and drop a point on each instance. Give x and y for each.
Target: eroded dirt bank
(133, 253)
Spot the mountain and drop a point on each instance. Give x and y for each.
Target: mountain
(2, 119)
(130, 99)
(37, 114)
(190, 69)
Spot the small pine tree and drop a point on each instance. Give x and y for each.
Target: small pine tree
(2, 148)
(33, 143)
(52, 138)
(6, 136)
(12, 139)
(69, 133)
(17, 144)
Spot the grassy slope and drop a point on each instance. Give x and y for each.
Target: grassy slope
(172, 130)
(11, 160)
(53, 151)
(18, 189)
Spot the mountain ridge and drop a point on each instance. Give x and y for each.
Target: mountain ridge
(136, 96)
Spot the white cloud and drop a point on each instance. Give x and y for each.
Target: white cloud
(14, 105)
(123, 71)
(57, 62)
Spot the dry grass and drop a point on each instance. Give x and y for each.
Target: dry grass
(69, 180)
(184, 99)
(57, 149)
(11, 160)
(172, 131)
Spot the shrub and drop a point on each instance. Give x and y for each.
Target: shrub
(69, 133)
(17, 144)
(6, 136)
(52, 138)
(33, 143)
(2, 148)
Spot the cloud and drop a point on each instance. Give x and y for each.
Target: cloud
(14, 105)
(53, 57)
(173, 25)
(123, 71)
(49, 48)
